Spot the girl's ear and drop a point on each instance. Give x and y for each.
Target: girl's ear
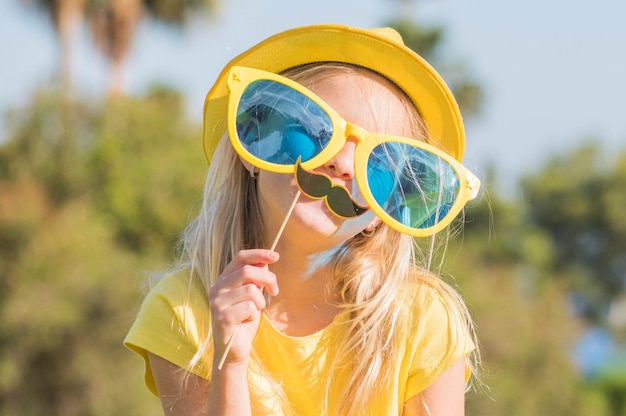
(245, 164)
(253, 171)
(372, 225)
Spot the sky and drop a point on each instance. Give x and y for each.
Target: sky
(552, 70)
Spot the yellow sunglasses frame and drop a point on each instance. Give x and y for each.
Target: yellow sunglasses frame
(239, 78)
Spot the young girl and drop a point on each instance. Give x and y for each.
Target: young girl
(300, 290)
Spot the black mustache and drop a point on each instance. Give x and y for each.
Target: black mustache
(317, 185)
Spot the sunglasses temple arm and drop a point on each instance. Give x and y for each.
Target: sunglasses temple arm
(280, 232)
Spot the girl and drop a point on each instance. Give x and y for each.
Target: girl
(301, 290)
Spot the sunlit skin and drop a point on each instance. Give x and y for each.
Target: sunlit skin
(298, 273)
(312, 229)
(350, 95)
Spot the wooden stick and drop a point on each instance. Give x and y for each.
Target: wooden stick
(282, 226)
(229, 343)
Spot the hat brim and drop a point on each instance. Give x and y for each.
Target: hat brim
(378, 50)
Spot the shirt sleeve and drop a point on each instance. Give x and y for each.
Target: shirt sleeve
(172, 323)
(437, 341)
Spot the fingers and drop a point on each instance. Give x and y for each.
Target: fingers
(238, 305)
(237, 295)
(247, 267)
(236, 301)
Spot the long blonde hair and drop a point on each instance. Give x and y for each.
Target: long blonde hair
(371, 273)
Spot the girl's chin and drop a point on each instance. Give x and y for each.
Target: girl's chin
(318, 219)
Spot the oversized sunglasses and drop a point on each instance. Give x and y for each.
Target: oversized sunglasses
(275, 123)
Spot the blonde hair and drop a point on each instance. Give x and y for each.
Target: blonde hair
(371, 273)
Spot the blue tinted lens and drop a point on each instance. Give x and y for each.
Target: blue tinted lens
(415, 187)
(279, 124)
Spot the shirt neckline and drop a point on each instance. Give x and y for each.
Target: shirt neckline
(313, 338)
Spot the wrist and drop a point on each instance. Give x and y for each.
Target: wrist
(229, 390)
(231, 367)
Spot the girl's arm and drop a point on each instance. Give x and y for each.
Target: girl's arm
(181, 392)
(445, 397)
(236, 300)
(186, 394)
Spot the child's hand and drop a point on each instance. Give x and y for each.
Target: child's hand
(237, 298)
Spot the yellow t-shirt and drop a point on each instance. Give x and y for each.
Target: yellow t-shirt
(174, 319)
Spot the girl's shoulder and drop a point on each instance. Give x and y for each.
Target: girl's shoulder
(424, 289)
(176, 296)
(173, 323)
(438, 329)
(433, 306)
(179, 285)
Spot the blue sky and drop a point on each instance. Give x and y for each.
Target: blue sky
(552, 70)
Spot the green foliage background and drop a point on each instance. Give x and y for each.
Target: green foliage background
(90, 198)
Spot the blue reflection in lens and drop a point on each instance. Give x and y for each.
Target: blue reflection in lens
(415, 187)
(279, 124)
(380, 177)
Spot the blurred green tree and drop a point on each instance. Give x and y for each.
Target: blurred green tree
(75, 233)
(579, 199)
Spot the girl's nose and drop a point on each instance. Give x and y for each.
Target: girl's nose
(342, 164)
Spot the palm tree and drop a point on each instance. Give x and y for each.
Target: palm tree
(112, 25)
(65, 16)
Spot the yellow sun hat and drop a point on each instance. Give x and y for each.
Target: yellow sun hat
(381, 50)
